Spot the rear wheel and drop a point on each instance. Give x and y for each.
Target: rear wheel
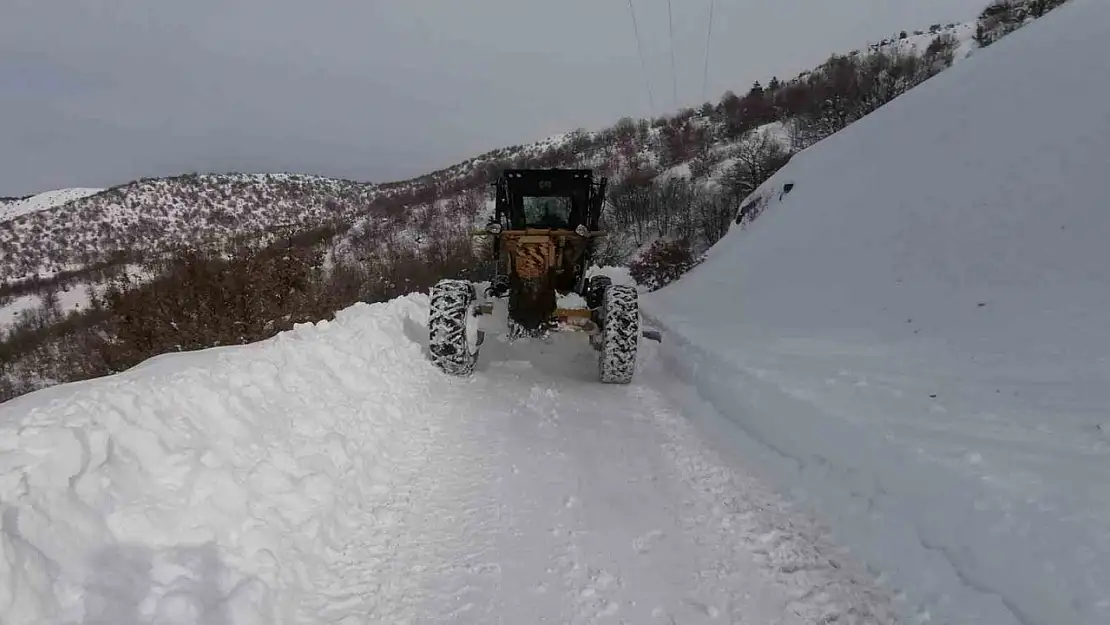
(453, 327)
(620, 334)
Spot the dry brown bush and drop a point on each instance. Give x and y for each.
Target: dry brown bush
(201, 300)
(662, 263)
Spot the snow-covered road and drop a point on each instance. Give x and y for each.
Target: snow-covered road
(331, 475)
(601, 501)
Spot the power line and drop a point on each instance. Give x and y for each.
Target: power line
(708, 39)
(674, 74)
(643, 64)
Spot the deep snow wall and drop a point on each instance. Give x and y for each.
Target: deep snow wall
(913, 338)
(242, 484)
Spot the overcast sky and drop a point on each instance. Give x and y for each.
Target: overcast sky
(100, 92)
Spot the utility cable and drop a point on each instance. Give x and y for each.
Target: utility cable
(708, 39)
(643, 64)
(674, 74)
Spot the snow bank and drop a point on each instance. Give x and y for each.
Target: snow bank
(618, 274)
(916, 335)
(570, 300)
(43, 201)
(227, 485)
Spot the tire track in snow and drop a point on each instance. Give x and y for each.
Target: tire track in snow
(825, 586)
(611, 509)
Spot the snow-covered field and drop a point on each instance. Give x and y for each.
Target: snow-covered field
(43, 201)
(916, 333)
(331, 474)
(71, 297)
(75, 298)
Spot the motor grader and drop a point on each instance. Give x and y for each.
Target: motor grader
(544, 231)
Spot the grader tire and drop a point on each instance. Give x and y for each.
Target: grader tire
(453, 327)
(595, 290)
(620, 334)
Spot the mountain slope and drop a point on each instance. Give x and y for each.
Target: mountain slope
(148, 217)
(43, 201)
(332, 474)
(916, 327)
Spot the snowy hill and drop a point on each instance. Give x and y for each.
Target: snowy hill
(914, 331)
(157, 215)
(919, 41)
(42, 201)
(143, 219)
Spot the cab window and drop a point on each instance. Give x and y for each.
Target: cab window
(547, 212)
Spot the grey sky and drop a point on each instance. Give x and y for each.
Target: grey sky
(99, 92)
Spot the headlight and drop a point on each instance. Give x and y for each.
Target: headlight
(493, 227)
(582, 230)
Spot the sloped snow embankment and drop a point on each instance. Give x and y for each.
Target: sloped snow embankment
(331, 474)
(914, 337)
(120, 493)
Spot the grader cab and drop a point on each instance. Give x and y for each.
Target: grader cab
(544, 230)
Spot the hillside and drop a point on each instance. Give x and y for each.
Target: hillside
(912, 336)
(11, 208)
(149, 217)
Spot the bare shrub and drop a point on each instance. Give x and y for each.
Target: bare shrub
(758, 157)
(662, 263)
(1002, 17)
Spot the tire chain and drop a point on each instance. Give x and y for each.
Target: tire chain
(620, 334)
(447, 320)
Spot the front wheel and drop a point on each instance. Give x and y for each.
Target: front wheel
(595, 290)
(620, 334)
(453, 327)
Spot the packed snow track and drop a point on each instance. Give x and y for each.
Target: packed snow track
(333, 475)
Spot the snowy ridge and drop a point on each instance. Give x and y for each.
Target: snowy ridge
(912, 336)
(331, 474)
(152, 216)
(43, 201)
(918, 41)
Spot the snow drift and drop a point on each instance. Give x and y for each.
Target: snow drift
(119, 492)
(914, 337)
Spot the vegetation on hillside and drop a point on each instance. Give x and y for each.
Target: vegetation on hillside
(1002, 17)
